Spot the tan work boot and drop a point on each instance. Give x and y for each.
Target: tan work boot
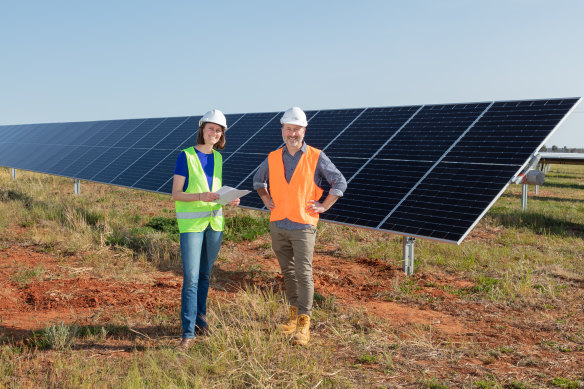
(302, 335)
(290, 326)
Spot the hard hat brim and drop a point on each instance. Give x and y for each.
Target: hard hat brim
(294, 122)
(201, 122)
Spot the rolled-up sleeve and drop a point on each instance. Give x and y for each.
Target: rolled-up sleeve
(327, 170)
(260, 178)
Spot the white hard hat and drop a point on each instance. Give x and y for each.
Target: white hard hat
(214, 116)
(295, 116)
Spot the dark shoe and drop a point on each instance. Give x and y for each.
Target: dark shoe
(185, 344)
(202, 331)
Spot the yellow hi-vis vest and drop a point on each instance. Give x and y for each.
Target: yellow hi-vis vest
(195, 216)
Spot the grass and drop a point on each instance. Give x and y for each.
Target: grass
(25, 276)
(565, 383)
(512, 263)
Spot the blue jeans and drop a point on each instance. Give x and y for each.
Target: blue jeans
(199, 251)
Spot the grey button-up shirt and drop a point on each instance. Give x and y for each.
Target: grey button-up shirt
(325, 169)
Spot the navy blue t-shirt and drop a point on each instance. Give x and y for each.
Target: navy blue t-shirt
(207, 162)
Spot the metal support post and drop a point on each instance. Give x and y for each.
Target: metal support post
(408, 245)
(77, 186)
(13, 171)
(524, 198)
(537, 190)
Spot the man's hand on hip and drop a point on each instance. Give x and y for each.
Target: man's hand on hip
(269, 203)
(315, 207)
(266, 198)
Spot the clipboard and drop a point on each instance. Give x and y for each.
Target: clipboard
(228, 194)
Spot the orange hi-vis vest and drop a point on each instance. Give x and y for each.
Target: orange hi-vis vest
(291, 199)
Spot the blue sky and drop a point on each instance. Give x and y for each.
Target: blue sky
(81, 60)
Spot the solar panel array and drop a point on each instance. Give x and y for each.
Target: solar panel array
(428, 171)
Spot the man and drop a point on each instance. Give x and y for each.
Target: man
(294, 173)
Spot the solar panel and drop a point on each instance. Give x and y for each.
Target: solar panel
(429, 171)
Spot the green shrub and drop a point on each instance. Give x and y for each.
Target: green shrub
(245, 227)
(165, 224)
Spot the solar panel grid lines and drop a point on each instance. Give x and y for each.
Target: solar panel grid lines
(565, 106)
(14, 152)
(232, 120)
(40, 159)
(74, 154)
(375, 190)
(104, 151)
(384, 144)
(157, 175)
(463, 195)
(118, 165)
(508, 131)
(33, 134)
(427, 164)
(101, 161)
(165, 129)
(186, 131)
(5, 131)
(252, 135)
(140, 131)
(166, 187)
(115, 133)
(162, 188)
(88, 155)
(146, 160)
(435, 164)
(431, 132)
(15, 133)
(102, 132)
(111, 170)
(324, 144)
(70, 133)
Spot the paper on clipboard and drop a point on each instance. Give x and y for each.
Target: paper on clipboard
(228, 194)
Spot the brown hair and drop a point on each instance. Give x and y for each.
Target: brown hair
(220, 145)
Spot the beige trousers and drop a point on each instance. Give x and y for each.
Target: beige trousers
(294, 250)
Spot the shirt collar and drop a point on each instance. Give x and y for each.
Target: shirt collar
(303, 148)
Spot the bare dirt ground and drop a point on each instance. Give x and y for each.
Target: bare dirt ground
(523, 339)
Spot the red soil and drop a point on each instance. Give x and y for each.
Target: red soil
(66, 291)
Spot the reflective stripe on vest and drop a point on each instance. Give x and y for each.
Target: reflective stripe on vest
(195, 216)
(198, 215)
(291, 199)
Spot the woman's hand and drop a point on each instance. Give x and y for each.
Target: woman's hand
(208, 196)
(234, 203)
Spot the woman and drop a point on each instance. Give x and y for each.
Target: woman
(200, 221)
